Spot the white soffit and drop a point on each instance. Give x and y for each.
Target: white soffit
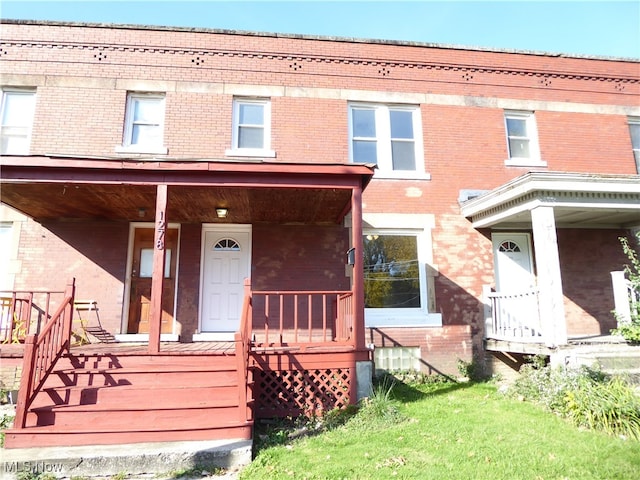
(579, 201)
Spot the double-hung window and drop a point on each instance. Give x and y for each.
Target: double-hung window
(522, 138)
(251, 128)
(634, 131)
(144, 124)
(389, 136)
(18, 107)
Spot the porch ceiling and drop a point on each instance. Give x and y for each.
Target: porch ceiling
(252, 193)
(578, 201)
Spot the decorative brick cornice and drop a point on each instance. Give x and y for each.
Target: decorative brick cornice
(384, 67)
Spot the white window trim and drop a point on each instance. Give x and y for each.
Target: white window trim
(383, 132)
(533, 160)
(22, 91)
(126, 146)
(236, 151)
(419, 225)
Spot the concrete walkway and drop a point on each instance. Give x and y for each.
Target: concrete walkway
(140, 460)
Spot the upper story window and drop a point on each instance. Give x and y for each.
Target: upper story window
(144, 124)
(18, 107)
(251, 128)
(634, 131)
(522, 138)
(389, 136)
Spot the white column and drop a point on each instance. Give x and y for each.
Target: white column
(549, 279)
(621, 297)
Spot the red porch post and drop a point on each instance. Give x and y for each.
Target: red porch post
(358, 268)
(158, 268)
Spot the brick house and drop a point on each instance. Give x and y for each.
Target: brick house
(409, 203)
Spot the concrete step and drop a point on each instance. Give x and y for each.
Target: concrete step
(622, 359)
(134, 459)
(135, 397)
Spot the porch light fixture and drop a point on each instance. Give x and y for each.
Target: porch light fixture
(142, 212)
(222, 212)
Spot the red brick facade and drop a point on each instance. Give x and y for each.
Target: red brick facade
(82, 75)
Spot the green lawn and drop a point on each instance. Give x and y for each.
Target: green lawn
(452, 431)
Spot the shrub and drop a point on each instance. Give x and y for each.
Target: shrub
(471, 370)
(612, 407)
(587, 397)
(631, 331)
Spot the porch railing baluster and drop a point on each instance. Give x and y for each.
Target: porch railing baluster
(324, 324)
(310, 317)
(281, 331)
(324, 317)
(514, 316)
(295, 318)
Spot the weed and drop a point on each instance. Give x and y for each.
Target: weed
(119, 476)
(588, 397)
(612, 407)
(415, 377)
(197, 471)
(30, 475)
(471, 370)
(380, 406)
(6, 421)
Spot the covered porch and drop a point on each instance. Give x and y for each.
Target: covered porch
(555, 244)
(259, 265)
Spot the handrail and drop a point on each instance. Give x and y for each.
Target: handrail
(42, 351)
(242, 344)
(303, 317)
(515, 316)
(17, 310)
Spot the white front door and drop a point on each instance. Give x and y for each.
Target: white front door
(512, 261)
(226, 260)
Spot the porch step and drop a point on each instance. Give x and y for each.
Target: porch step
(107, 399)
(137, 459)
(87, 418)
(55, 436)
(135, 397)
(618, 358)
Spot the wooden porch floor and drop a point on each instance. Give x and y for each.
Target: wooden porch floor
(125, 348)
(181, 348)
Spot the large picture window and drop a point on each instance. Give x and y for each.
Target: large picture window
(397, 250)
(391, 271)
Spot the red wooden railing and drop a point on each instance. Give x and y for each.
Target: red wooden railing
(302, 317)
(243, 345)
(42, 351)
(23, 312)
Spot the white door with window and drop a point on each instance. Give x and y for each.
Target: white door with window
(513, 262)
(226, 261)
